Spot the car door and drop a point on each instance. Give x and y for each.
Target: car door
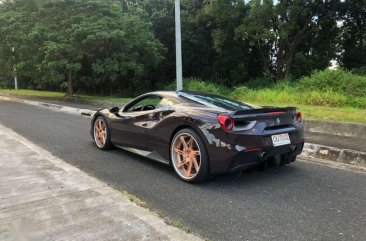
(131, 128)
(160, 130)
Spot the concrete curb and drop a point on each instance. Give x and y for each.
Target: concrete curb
(55, 107)
(311, 151)
(333, 154)
(336, 128)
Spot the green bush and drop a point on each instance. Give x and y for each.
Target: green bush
(360, 71)
(323, 88)
(200, 85)
(5, 83)
(339, 81)
(327, 98)
(259, 83)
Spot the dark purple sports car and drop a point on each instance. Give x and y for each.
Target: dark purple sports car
(201, 134)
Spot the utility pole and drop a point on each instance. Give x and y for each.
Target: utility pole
(15, 71)
(178, 46)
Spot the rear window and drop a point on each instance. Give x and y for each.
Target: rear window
(216, 101)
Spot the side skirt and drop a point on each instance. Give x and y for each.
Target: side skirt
(151, 155)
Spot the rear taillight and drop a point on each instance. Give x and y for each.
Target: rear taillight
(276, 113)
(226, 122)
(299, 117)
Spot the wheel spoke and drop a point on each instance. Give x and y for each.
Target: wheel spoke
(182, 163)
(189, 169)
(190, 143)
(100, 124)
(184, 142)
(195, 163)
(179, 151)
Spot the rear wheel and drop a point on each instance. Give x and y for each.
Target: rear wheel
(102, 136)
(189, 156)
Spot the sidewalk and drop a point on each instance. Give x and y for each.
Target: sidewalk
(44, 198)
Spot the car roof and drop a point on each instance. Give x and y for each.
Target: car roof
(170, 93)
(181, 97)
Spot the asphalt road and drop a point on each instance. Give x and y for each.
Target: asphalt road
(302, 201)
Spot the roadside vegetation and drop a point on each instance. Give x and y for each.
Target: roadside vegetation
(346, 102)
(52, 95)
(328, 88)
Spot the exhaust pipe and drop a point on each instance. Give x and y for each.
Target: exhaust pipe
(263, 156)
(294, 149)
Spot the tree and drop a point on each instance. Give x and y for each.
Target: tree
(78, 40)
(232, 59)
(277, 30)
(353, 38)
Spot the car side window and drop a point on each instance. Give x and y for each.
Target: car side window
(165, 104)
(146, 104)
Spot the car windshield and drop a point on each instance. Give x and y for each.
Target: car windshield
(217, 101)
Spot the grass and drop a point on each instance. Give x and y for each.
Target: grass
(36, 93)
(136, 200)
(180, 225)
(313, 98)
(104, 99)
(343, 114)
(174, 223)
(59, 96)
(290, 95)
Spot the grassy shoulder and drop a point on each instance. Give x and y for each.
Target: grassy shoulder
(345, 114)
(342, 114)
(104, 99)
(51, 95)
(33, 93)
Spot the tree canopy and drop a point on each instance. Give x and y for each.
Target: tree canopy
(127, 46)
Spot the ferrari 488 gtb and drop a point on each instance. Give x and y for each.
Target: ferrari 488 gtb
(201, 134)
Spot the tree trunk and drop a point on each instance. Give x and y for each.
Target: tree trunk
(284, 60)
(70, 83)
(280, 61)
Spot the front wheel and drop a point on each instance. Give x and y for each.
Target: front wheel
(101, 133)
(189, 156)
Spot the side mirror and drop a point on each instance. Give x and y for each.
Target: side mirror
(114, 110)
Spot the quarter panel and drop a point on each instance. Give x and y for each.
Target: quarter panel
(167, 123)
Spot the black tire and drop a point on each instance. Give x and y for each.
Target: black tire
(204, 172)
(107, 143)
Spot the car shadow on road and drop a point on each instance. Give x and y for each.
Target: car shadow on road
(254, 177)
(245, 178)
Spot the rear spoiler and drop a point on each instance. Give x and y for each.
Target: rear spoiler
(265, 110)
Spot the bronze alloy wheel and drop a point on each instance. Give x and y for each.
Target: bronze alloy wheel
(186, 156)
(100, 132)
